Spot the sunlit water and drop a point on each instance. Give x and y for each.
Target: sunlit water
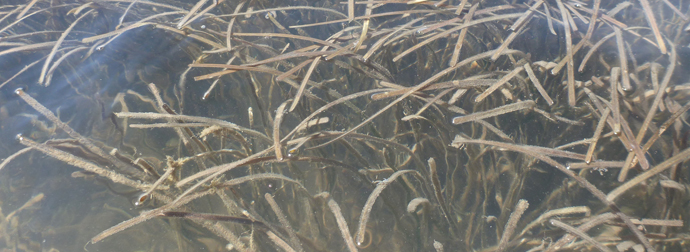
(85, 92)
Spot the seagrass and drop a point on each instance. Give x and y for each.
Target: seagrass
(7, 160)
(680, 157)
(595, 221)
(414, 204)
(56, 64)
(657, 99)
(35, 199)
(276, 129)
(622, 56)
(494, 112)
(463, 34)
(500, 82)
(216, 134)
(436, 186)
(279, 242)
(415, 89)
(607, 199)
(81, 139)
(211, 121)
(652, 23)
(342, 223)
(569, 53)
(168, 125)
(597, 164)
(456, 28)
(512, 223)
(537, 83)
(597, 134)
(368, 207)
(461, 84)
(549, 19)
(615, 103)
(144, 216)
(580, 234)
(556, 212)
(42, 76)
(283, 220)
(78, 162)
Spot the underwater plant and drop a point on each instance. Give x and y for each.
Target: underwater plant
(253, 125)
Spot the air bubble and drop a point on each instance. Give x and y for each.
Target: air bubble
(294, 152)
(140, 200)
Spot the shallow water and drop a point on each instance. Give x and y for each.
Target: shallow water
(470, 196)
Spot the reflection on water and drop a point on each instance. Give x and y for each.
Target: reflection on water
(343, 126)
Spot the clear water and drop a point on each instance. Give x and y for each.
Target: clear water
(479, 185)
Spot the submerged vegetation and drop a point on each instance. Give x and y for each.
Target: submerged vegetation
(255, 125)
